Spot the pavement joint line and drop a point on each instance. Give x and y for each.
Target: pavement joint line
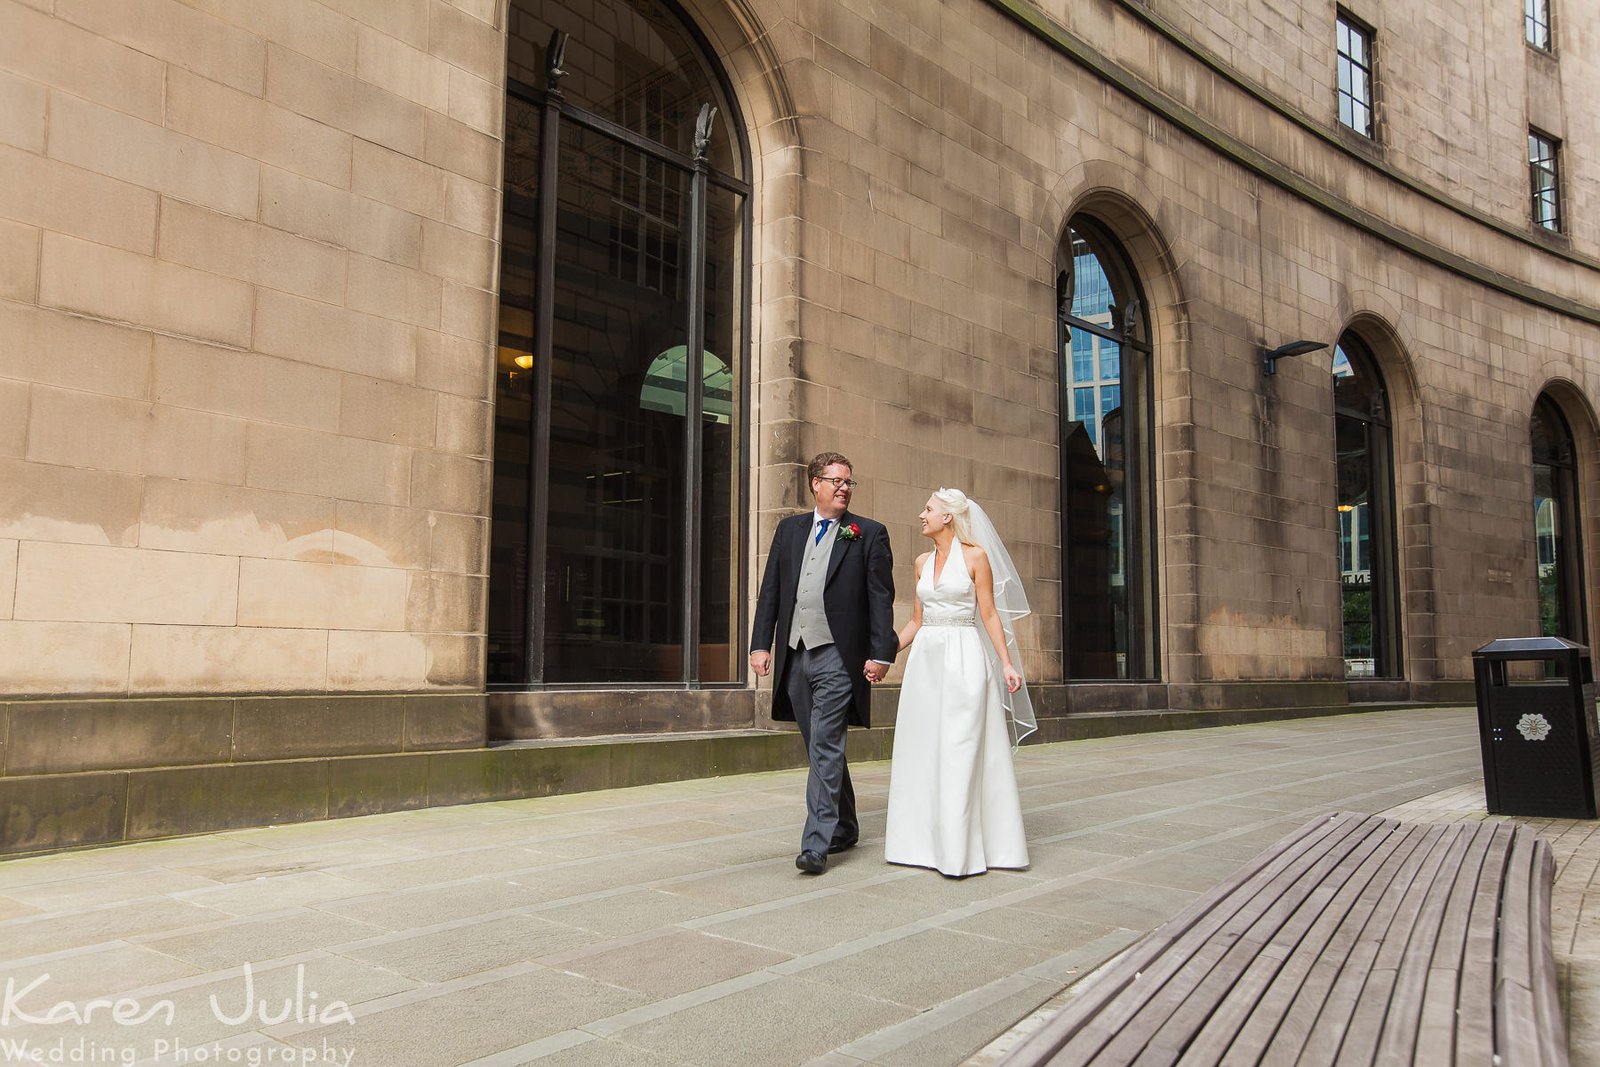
(533, 1050)
(249, 1039)
(694, 998)
(406, 997)
(701, 922)
(65, 954)
(1098, 951)
(583, 952)
(206, 977)
(898, 1035)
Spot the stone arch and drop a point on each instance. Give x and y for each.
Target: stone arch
(1132, 214)
(1370, 320)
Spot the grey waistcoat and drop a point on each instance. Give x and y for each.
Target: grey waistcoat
(810, 622)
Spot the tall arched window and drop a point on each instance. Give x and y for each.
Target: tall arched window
(1108, 594)
(1555, 523)
(1364, 497)
(623, 327)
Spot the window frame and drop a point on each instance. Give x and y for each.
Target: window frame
(1544, 165)
(1346, 27)
(557, 111)
(1131, 332)
(1531, 23)
(1570, 582)
(1386, 619)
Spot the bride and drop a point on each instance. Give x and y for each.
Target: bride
(953, 802)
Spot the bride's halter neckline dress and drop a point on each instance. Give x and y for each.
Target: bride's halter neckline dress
(953, 802)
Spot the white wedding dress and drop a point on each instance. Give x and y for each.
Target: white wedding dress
(953, 802)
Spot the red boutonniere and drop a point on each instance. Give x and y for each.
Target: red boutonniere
(851, 532)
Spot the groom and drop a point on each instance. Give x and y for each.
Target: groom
(828, 595)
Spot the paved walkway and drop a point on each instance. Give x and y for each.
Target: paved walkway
(666, 925)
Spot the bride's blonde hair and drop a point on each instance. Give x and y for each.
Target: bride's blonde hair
(955, 503)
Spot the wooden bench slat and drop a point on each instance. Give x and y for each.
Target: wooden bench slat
(1422, 961)
(1410, 935)
(1123, 1026)
(1527, 1006)
(1071, 1024)
(1335, 1019)
(1289, 942)
(1475, 1029)
(1266, 1014)
(1356, 940)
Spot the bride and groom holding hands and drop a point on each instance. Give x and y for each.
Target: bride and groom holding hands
(824, 628)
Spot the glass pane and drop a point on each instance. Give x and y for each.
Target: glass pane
(719, 518)
(1547, 535)
(628, 60)
(1098, 549)
(613, 571)
(1082, 356)
(513, 413)
(1083, 405)
(1110, 360)
(1354, 502)
(1357, 389)
(1091, 289)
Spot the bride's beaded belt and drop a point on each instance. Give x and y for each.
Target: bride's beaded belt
(936, 619)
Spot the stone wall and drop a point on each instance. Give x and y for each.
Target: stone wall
(245, 322)
(946, 150)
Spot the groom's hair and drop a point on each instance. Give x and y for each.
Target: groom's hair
(822, 461)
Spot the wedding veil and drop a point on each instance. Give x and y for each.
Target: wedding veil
(1012, 604)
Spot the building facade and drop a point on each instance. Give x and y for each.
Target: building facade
(386, 377)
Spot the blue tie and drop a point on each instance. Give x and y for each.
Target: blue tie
(822, 528)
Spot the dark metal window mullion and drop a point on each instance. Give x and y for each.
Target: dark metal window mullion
(543, 349)
(1385, 587)
(693, 400)
(1064, 409)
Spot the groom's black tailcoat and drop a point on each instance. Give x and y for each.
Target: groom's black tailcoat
(857, 596)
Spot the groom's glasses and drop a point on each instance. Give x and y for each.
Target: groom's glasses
(839, 483)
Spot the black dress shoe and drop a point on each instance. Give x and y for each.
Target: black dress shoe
(840, 846)
(811, 862)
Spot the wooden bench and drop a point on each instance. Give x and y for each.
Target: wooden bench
(1357, 939)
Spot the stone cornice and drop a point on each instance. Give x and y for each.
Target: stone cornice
(1185, 118)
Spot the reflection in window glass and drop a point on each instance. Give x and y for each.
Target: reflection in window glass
(1105, 462)
(1555, 511)
(1536, 23)
(1364, 499)
(611, 559)
(1354, 70)
(1544, 179)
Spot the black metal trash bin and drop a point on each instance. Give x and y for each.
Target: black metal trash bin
(1539, 736)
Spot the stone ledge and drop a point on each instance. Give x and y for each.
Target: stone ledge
(52, 737)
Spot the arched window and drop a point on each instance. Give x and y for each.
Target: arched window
(619, 422)
(1364, 497)
(1108, 594)
(1555, 523)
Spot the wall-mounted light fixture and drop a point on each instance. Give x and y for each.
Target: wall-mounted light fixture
(1270, 357)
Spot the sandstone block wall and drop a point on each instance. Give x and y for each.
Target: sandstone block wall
(245, 324)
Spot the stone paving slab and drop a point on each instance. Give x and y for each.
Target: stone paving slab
(666, 925)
